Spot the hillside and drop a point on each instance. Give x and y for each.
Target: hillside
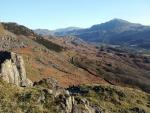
(115, 66)
(72, 61)
(44, 58)
(18, 29)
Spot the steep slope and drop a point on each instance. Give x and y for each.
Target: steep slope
(113, 65)
(44, 58)
(117, 68)
(18, 29)
(9, 40)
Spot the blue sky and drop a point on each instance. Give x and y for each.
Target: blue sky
(54, 14)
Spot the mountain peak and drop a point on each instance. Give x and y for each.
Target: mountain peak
(119, 20)
(112, 24)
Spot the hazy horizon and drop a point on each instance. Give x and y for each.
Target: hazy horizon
(55, 14)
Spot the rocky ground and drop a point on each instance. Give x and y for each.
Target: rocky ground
(46, 94)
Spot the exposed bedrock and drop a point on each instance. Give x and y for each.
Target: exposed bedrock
(12, 69)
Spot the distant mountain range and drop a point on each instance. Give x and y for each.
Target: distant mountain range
(61, 31)
(43, 32)
(116, 32)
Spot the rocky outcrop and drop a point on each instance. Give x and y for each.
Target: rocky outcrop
(12, 69)
(8, 40)
(66, 102)
(74, 104)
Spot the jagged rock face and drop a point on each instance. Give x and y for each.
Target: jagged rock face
(12, 69)
(52, 86)
(8, 40)
(72, 104)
